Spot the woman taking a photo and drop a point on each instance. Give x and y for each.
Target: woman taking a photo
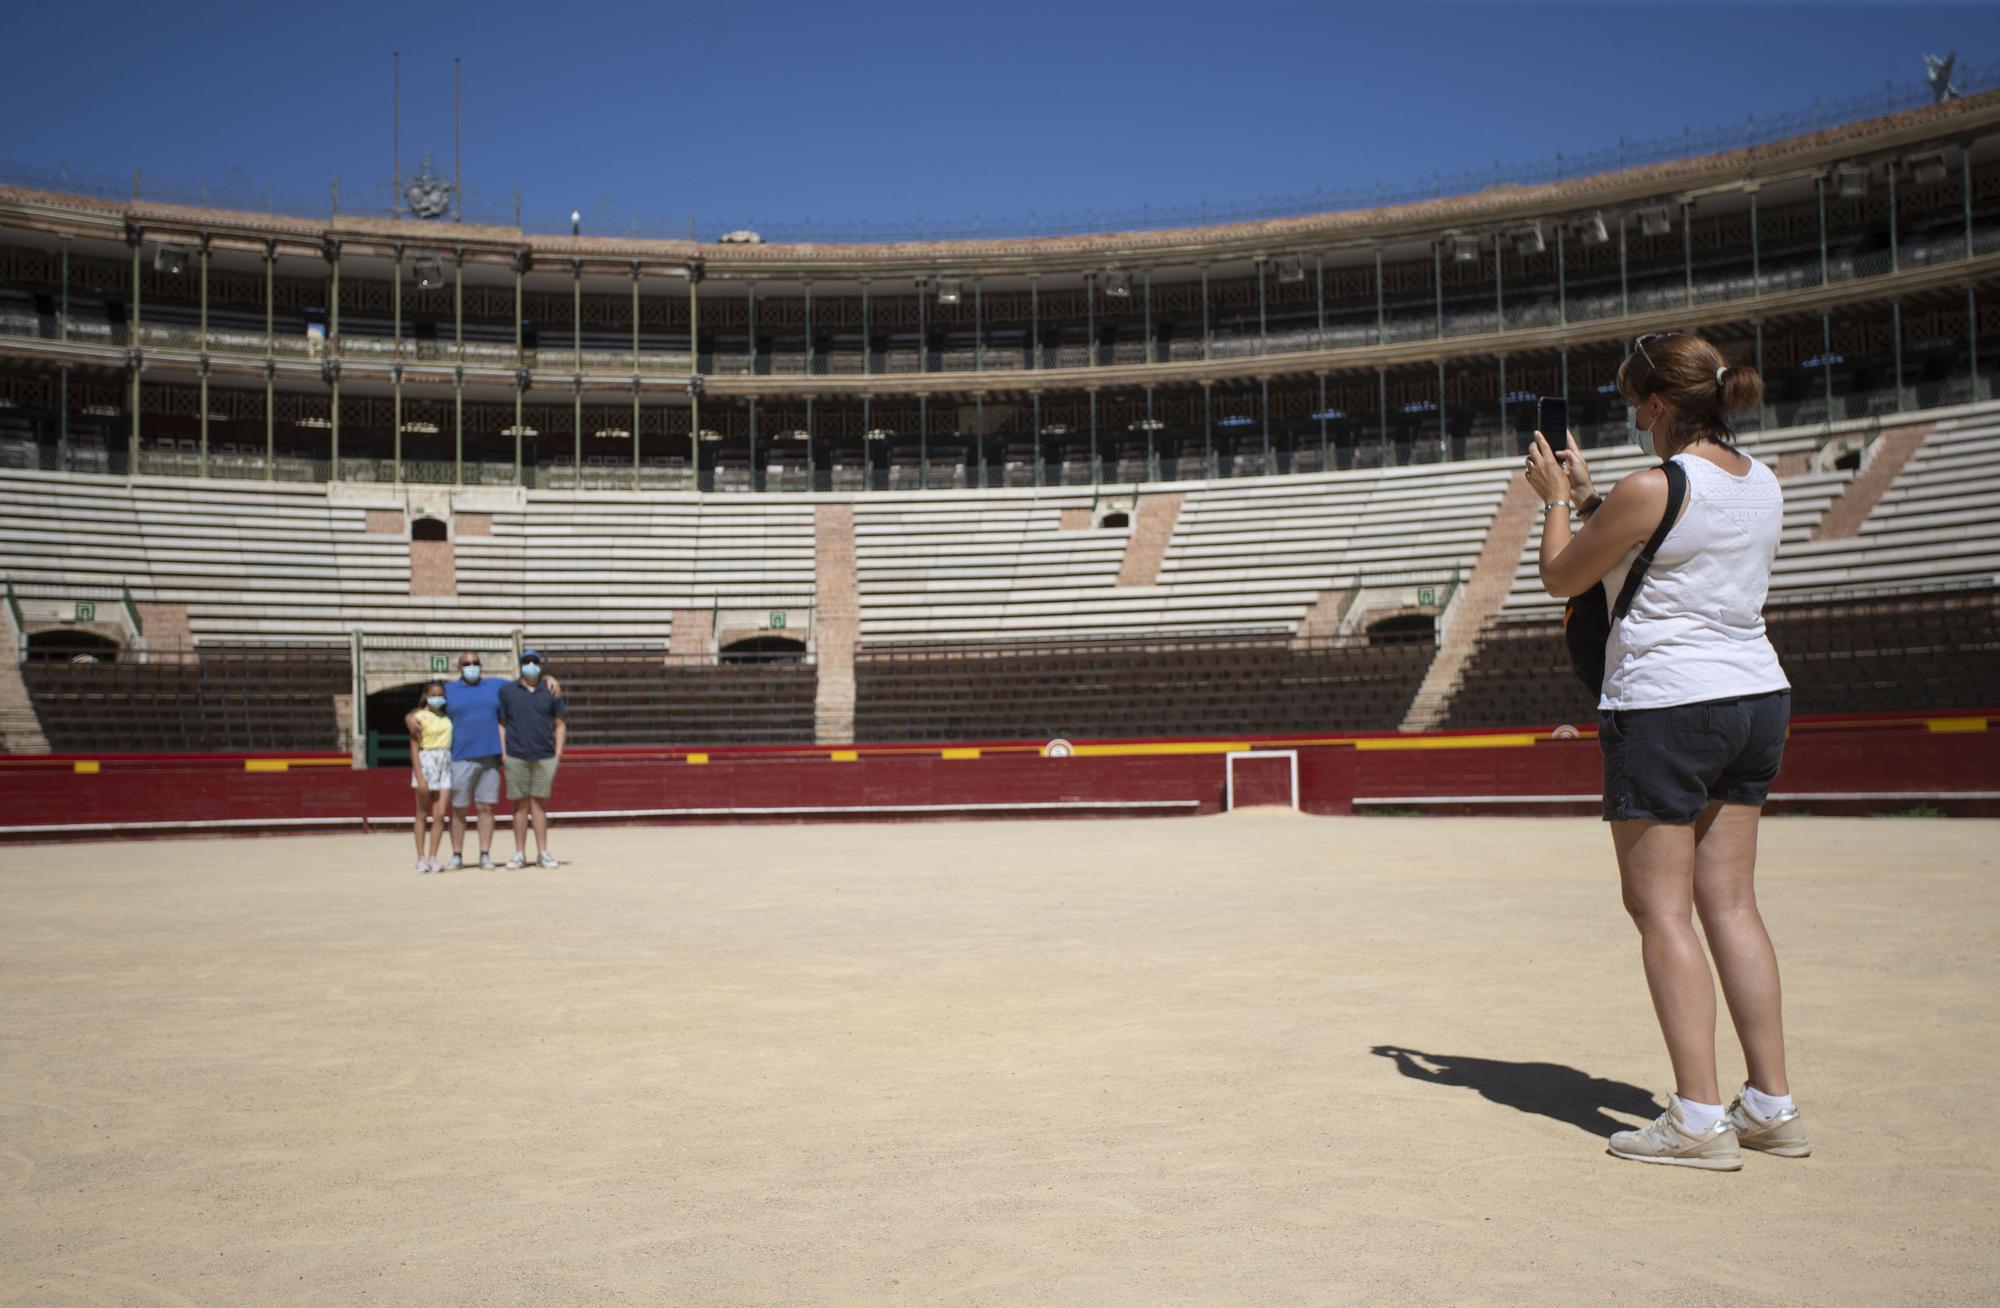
(1692, 724)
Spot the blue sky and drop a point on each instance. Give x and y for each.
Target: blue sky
(739, 112)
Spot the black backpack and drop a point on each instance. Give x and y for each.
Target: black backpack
(1586, 617)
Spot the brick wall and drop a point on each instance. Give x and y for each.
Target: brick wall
(433, 568)
(694, 632)
(836, 623)
(1147, 545)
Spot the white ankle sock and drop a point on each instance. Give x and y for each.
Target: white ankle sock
(1699, 1117)
(1764, 1106)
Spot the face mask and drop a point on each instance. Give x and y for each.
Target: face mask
(1641, 437)
(531, 670)
(437, 701)
(470, 672)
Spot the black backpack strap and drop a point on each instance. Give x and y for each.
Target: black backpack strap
(1677, 480)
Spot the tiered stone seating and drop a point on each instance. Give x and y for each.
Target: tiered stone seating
(1250, 555)
(608, 567)
(267, 562)
(276, 561)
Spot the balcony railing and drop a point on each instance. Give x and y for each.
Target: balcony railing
(1523, 309)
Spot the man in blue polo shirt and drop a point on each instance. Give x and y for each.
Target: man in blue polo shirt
(473, 705)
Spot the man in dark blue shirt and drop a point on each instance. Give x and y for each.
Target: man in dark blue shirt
(534, 727)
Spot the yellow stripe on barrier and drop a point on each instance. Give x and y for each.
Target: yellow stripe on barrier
(321, 762)
(697, 758)
(1448, 742)
(85, 766)
(267, 765)
(1165, 747)
(959, 753)
(845, 756)
(1949, 726)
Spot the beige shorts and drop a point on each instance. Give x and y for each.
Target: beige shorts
(530, 778)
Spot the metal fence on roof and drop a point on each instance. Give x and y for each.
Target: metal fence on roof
(378, 198)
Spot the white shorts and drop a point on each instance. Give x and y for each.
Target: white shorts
(435, 764)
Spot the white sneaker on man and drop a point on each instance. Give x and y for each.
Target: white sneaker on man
(423, 866)
(454, 865)
(485, 860)
(548, 859)
(517, 861)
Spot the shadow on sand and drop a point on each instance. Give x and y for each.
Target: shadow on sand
(1548, 1089)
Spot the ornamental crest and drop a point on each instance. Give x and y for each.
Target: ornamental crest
(428, 194)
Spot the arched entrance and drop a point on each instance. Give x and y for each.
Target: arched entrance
(67, 645)
(388, 738)
(764, 650)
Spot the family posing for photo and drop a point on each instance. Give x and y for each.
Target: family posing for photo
(463, 736)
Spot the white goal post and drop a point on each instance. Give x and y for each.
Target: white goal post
(1229, 772)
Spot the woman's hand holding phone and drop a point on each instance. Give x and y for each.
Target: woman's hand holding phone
(1578, 468)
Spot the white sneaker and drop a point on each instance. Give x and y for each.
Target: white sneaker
(549, 860)
(1669, 1140)
(423, 866)
(454, 865)
(517, 861)
(485, 859)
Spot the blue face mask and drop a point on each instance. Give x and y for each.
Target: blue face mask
(531, 670)
(1640, 436)
(470, 672)
(436, 701)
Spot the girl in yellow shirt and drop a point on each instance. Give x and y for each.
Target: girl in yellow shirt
(430, 772)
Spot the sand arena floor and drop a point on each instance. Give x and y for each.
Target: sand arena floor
(1035, 1063)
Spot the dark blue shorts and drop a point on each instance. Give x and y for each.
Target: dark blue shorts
(1669, 764)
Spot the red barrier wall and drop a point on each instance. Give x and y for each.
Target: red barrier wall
(1879, 762)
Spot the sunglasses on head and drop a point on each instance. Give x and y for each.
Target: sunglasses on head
(1639, 344)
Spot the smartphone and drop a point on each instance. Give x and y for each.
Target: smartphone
(1552, 421)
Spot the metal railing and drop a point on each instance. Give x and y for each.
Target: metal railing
(377, 198)
(1528, 308)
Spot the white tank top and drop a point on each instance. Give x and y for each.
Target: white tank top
(1695, 631)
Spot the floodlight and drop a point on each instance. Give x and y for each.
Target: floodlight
(169, 259)
(429, 270)
(1594, 232)
(1926, 168)
(947, 288)
(1291, 269)
(1117, 285)
(1464, 249)
(1528, 240)
(1850, 181)
(1655, 221)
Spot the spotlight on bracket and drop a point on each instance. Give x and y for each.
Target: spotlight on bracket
(1117, 284)
(1926, 169)
(429, 270)
(1528, 240)
(1463, 248)
(170, 259)
(1655, 221)
(1594, 231)
(947, 288)
(1850, 181)
(1291, 270)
